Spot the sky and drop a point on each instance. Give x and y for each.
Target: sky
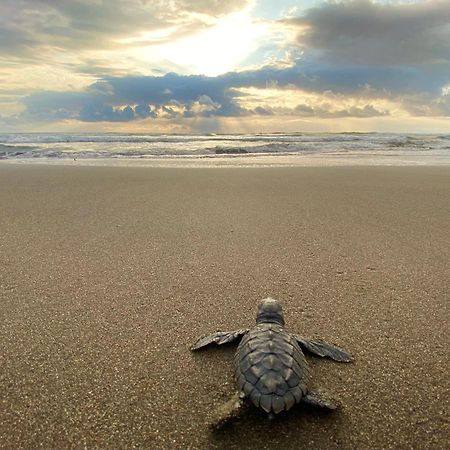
(235, 66)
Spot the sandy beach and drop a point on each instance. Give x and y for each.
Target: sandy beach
(108, 274)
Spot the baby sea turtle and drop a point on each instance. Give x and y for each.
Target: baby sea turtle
(270, 367)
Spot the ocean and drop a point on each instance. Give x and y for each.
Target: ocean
(372, 148)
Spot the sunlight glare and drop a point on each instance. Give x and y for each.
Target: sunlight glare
(219, 49)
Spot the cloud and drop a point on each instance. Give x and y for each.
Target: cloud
(308, 77)
(321, 110)
(29, 28)
(263, 111)
(99, 112)
(330, 111)
(172, 95)
(366, 33)
(399, 52)
(423, 105)
(357, 53)
(204, 106)
(143, 111)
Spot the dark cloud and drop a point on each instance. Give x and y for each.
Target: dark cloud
(398, 52)
(143, 111)
(99, 112)
(371, 34)
(263, 111)
(175, 95)
(223, 89)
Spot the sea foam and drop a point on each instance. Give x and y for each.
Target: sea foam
(79, 146)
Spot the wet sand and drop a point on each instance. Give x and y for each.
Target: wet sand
(107, 275)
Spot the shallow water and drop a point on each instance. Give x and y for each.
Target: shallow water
(248, 149)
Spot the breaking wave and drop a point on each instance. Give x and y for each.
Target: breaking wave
(146, 146)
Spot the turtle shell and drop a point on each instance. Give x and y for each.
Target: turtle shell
(271, 368)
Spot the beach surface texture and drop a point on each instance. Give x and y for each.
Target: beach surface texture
(109, 274)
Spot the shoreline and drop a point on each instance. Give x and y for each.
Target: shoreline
(109, 274)
(250, 160)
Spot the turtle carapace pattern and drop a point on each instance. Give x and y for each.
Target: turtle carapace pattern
(270, 368)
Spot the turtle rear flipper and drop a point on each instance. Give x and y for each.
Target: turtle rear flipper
(228, 413)
(219, 338)
(320, 399)
(323, 349)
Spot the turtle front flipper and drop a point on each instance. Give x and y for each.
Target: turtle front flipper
(320, 399)
(324, 349)
(219, 338)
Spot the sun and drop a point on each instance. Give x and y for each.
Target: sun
(219, 49)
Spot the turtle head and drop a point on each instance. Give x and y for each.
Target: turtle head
(270, 310)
